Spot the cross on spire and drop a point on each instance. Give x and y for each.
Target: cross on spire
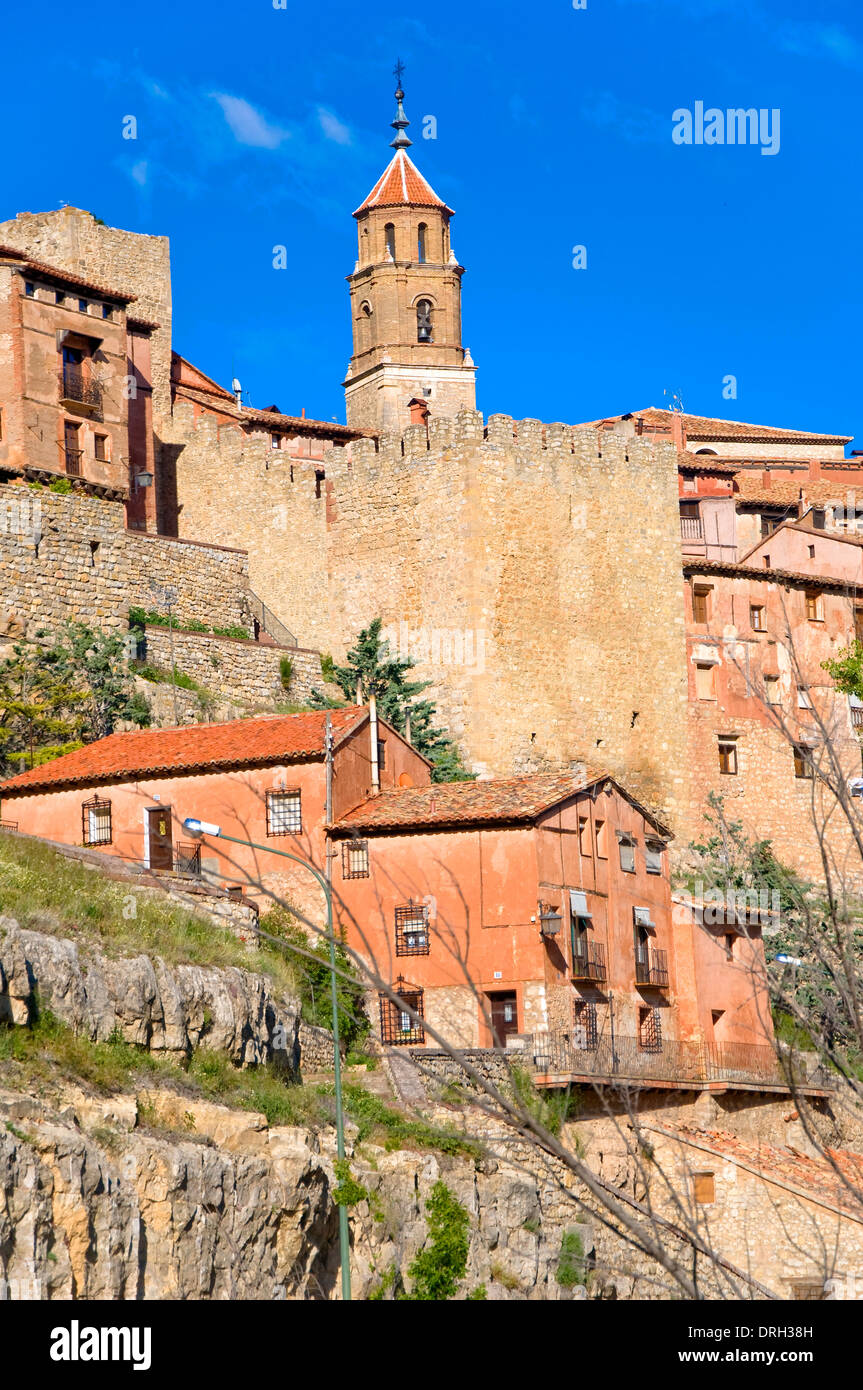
(401, 121)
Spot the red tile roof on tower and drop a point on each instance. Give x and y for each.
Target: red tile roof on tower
(402, 184)
(197, 747)
(503, 800)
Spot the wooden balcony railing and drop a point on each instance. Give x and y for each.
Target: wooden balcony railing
(691, 528)
(651, 968)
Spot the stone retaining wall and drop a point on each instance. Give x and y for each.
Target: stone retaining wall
(237, 670)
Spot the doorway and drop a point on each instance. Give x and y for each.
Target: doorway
(504, 1016)
(159, 837)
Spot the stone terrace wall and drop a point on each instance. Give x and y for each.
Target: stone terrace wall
(68, 557)
(544, 561)
(236, 670)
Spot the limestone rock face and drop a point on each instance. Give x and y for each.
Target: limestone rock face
(171, 1008)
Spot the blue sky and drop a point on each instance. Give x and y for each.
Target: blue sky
(259, 126)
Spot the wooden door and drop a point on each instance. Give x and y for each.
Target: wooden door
(504, 1016)
(159, 832)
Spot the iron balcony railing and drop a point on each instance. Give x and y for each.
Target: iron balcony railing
(188, 859)
(691, 528)
(628, 1059)
(78, 387)
(588, 961)
(651, 968)
(73, 459)
(11, 825)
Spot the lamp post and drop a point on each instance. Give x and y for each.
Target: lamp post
(199, 827)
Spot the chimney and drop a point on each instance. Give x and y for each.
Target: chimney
(408, 724)
(678, 431)
(359, 690)
(373, 735)
(765, 479)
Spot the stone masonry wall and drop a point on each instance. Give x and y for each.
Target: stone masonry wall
(237, 670)
(68, 557)
(533, 574)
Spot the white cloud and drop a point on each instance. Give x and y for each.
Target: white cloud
(333, 128)
(814, 39)
(248, 126)
(139, 172)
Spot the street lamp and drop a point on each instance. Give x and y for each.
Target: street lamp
(202, 827)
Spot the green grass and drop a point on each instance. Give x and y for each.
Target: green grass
(378, 1122)
(49, 1050)
(43, 890)
(160, 675)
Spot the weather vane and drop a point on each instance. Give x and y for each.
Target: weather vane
(398, 70)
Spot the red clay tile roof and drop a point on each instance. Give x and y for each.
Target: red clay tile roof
(458, 803)
(707, 427)
(784, 492)
(770, 576)
(166, 752)
(813, 1178)
(66, 277)
(402, 183)
(280, 423)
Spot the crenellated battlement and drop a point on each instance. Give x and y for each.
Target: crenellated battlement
(526, 441)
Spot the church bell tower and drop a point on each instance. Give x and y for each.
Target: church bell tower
(408, 362)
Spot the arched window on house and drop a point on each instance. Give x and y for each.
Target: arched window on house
(390, 239)
(421, 242)
(424, 321)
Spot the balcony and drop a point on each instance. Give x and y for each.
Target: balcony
(651, 968)
(691, 528)
(588, 961)
(77, 388)
(689, 1064)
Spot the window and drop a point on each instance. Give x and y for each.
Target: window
(424, 321)
(766, 562)
(83, 305)
(398, 1026)
(284, 813)
(100, 447)
(814, 606)
(704, 1188)
(29, 289)
(412, 929)
(107, 311)
(858, 624)
(275, 441)
(812, 552)
(626, 845)
(771, 690)
(649, 1030)
(653, 851)
(819, 522)
(390, 239)
(803, 761)
(59, 297)
(700, 604)
(601, 848)
(585, 1033)
(584, 835)
(728, 756)
(355, 859)
(382, 755)
(421, 242)
(96, 822)
(803, 700)
(756, 616)
(704, 681)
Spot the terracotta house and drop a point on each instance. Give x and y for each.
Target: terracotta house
(263, 780)
(75, 385)
(536, 912)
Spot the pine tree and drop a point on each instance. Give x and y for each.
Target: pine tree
(371, 665)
